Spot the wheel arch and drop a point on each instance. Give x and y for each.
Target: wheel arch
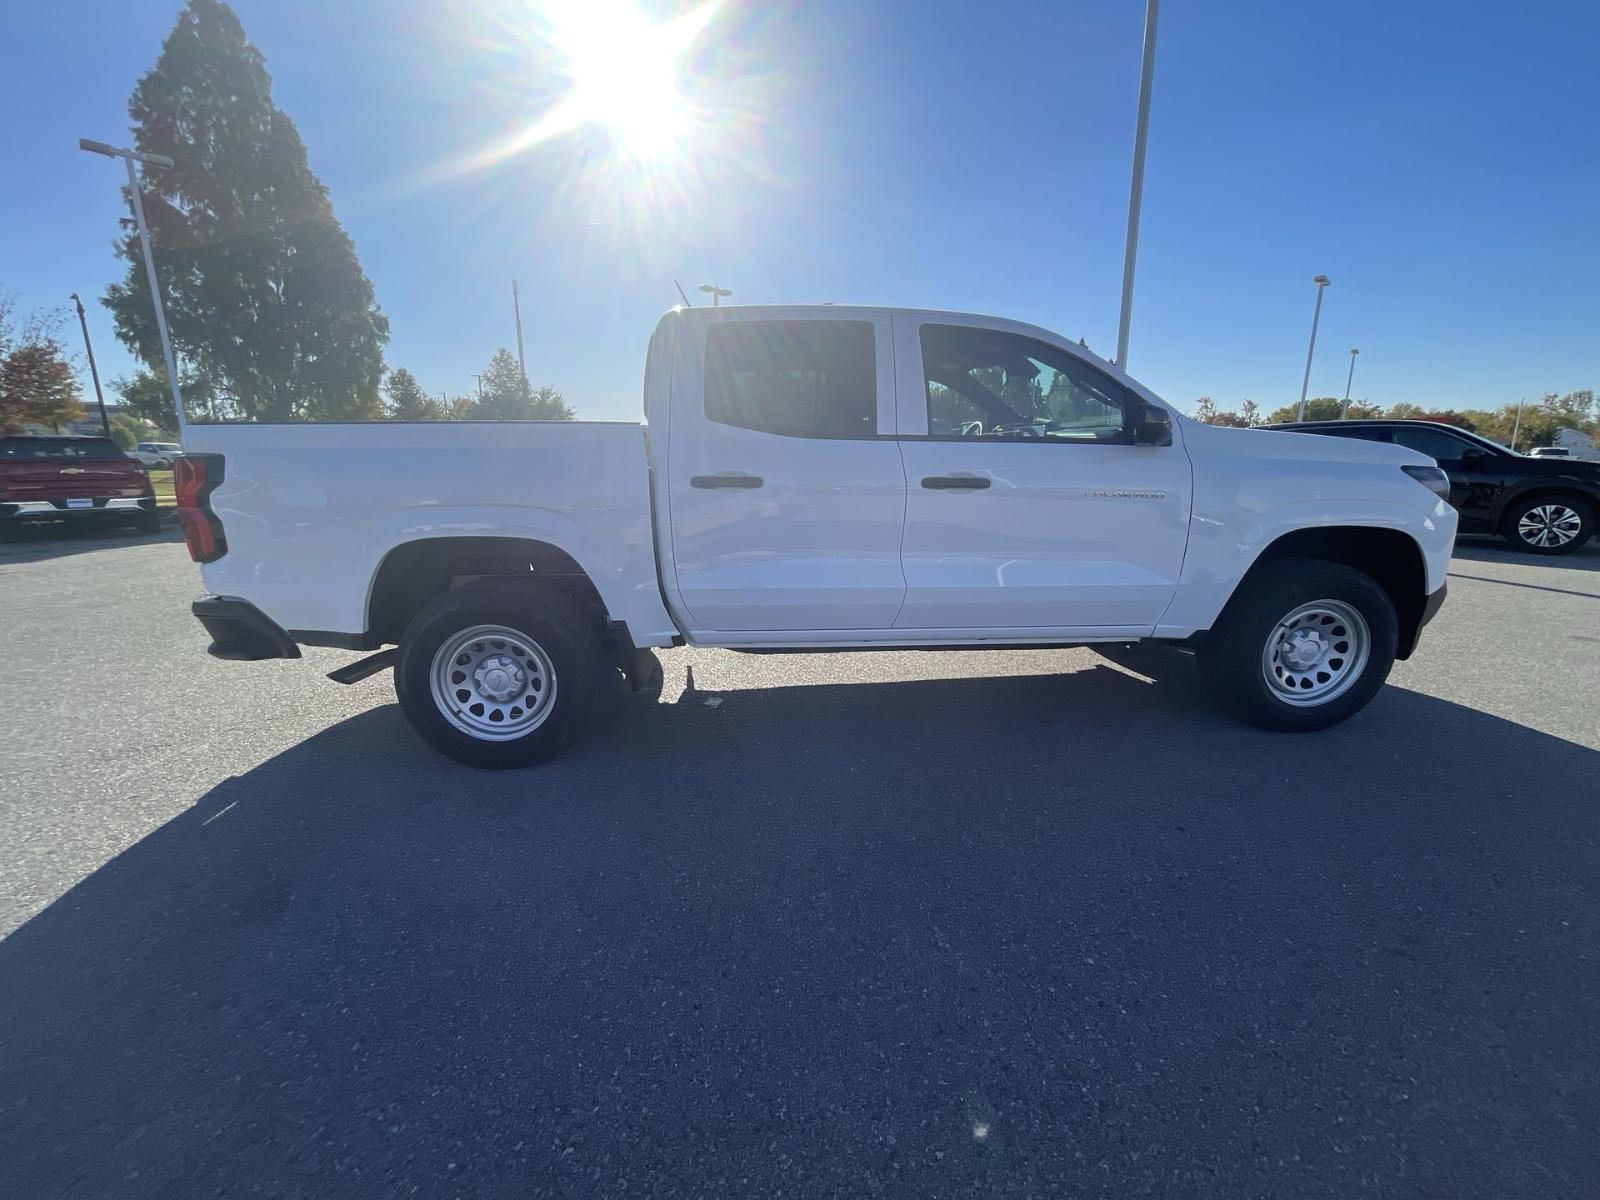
(415, 572)
(1390, 557)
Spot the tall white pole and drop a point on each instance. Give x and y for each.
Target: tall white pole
(1321, 281)
(516, 304)
(155, 295)
(1344, 410)
(1516, 426)
(1136, 191)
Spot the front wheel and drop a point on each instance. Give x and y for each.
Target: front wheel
(499, 673)
(1548, 524)
(1303, 645)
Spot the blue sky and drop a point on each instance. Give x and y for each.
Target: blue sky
(1441, 161)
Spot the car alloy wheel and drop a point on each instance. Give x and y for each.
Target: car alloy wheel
(1547, 526)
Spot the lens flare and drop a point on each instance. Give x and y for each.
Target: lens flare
(623, 72)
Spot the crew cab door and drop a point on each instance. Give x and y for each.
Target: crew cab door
(1028, 505)
(786, 499)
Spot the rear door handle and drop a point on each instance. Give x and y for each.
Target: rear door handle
(728, 479)
(954, 482)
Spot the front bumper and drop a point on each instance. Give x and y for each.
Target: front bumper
(242, 632)
(1431, 605)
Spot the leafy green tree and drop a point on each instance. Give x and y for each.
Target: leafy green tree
(37, 386)
(508, 397)
(1250, 414)
(146, 396)
(264, 294)
(128, 431)
(407, 400)
(1323, 408)
(1406, 412)
(462, 408)
(1205, 410)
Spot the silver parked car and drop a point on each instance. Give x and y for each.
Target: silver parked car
(156, 454)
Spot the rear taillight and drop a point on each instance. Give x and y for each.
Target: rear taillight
(194, 478)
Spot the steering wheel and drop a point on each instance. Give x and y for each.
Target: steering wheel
(972, 429)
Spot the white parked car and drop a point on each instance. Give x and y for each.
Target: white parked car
(156, 454)
(815, 478)
(1549, 452)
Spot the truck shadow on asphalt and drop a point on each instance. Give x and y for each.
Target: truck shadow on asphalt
(1049, 934)
(29, 543)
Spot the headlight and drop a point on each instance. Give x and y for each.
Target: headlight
(1432, 478)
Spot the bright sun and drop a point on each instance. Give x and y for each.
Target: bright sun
(624, 73)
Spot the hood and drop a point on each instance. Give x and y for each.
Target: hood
(1287, 445)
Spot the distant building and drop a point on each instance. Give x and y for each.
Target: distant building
(1579, 443)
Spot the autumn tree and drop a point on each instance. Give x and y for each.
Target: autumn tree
(264, 295)
(37, 386)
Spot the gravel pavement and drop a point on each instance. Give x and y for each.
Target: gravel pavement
(898, 924)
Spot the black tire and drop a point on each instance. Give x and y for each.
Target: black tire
(1511, 524)
(1231, 658)
(553, 623)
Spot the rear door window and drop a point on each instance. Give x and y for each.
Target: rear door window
(811, 379)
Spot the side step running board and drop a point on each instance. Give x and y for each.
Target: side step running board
(362, 667)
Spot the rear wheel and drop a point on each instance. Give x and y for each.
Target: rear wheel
(499, 673)
(1303, 645)
(1550, 524)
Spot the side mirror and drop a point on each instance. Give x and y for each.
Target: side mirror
(1152, 426)
(1472, 455)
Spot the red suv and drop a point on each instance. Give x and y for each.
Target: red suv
(73, 478)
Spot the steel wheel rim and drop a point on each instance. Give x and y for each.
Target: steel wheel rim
(493, 683)
(1548, 525)
(1315, 653)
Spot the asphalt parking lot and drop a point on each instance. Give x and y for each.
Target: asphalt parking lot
(955, 924)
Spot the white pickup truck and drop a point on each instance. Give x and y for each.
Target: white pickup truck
(815, 478)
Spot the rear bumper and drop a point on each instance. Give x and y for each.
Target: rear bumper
(56, 510)
(242, 632)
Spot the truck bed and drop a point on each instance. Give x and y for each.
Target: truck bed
(312, 510)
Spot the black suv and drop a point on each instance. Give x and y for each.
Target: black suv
(1542, 505)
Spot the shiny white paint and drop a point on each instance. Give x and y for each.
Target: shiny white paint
(1050, 553)
(1250, 490)
(1067, 535)
(817, 545)
(310, 511)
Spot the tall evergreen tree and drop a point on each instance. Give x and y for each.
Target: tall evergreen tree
(407, 400)
(265, 297)
(508, 397)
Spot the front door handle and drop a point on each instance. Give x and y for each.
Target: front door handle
(728, 479)
(955, 482)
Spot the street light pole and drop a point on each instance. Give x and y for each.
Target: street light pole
(1321, 281)
(1136, 191)
(1516, 426)
(94, 371)
(516, 303)
(717, 293)
(154, 160)
(1345, 410)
